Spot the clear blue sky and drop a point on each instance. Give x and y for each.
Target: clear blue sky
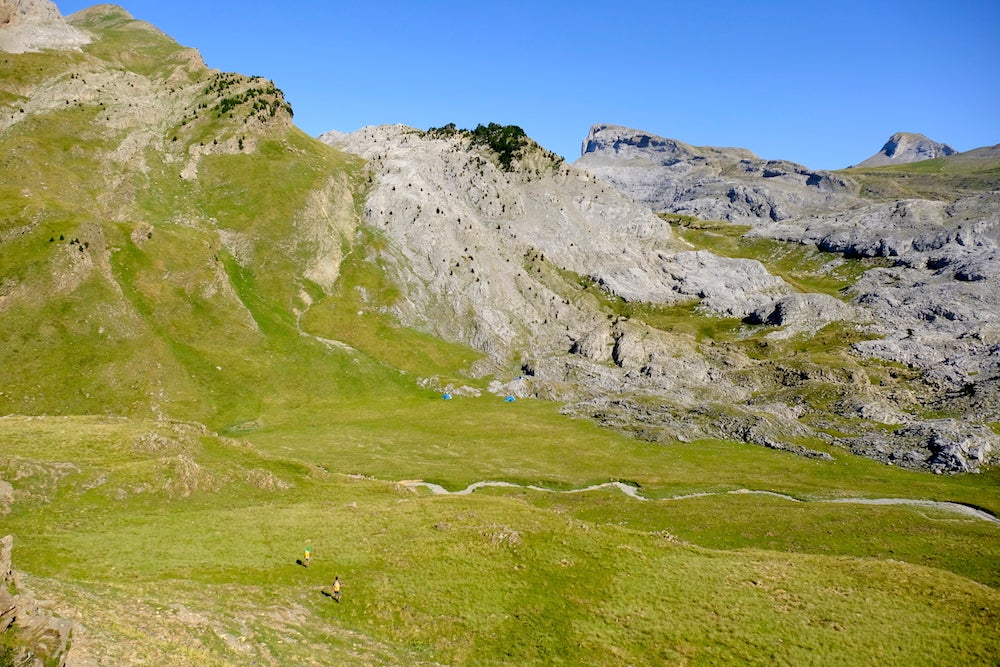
(820, 83)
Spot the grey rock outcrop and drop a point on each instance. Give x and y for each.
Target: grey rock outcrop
(712, 183)
(20, 12)
(934, 302)
(474, 238)
(35, 25)
(942, 446)
(37, 637)
(905, 147)
(496, 259)
(802, 311)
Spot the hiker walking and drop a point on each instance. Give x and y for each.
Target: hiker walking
(336, 588)
(307, 557)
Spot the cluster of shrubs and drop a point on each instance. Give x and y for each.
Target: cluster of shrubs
(266, 97)
(507, 141)
(76, 242)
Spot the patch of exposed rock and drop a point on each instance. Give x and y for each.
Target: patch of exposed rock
(498, 260)
(802, 311)
(474, 240)
(495, 259)
(36, 636)
(943, 446)
(938, 301)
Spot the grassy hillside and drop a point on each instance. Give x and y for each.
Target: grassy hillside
(197, 384)
(944, 178)
(194, 539)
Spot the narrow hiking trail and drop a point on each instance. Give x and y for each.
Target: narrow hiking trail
(633, 492)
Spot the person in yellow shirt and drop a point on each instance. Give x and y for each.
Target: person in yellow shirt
(308, 557)
(336, 588)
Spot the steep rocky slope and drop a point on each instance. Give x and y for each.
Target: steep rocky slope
(134, 204)
(508, 262)
(711, 183)
(933, 302)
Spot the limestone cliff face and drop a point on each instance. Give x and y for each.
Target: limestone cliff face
(14, 12)
(707, 182)
(495, 259)
(474, 238)
(905, 147)
(934, 301)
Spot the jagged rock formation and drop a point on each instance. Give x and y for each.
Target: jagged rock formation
(496, 259)
(35, 25)
(710, 183)
(934, 303)
(473, 238)
(904, 147)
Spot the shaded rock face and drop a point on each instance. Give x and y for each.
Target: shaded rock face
(905, 147)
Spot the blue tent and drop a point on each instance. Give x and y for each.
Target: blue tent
(446, 396)
(509, 399)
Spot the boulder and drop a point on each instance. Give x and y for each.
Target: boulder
(808, 311)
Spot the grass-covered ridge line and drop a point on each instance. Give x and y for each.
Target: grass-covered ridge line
(945, 178)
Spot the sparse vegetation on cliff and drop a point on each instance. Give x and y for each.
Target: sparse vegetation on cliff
(508, 142)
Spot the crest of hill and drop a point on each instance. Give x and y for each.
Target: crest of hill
(906, 147)
(624, 142)
(707, 182)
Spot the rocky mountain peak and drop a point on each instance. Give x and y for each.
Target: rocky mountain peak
(34, 25)
(618, 141)
(14, 12)
(905, 147)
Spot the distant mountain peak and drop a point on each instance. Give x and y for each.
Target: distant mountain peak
(905, 147)
(619, 141)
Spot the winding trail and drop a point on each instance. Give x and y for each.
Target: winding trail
(633, 492)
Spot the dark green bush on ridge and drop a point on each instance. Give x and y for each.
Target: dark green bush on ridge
(507, 141)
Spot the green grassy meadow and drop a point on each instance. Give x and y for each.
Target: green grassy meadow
(167, 539)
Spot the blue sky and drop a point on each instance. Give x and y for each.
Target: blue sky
(820, 83)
